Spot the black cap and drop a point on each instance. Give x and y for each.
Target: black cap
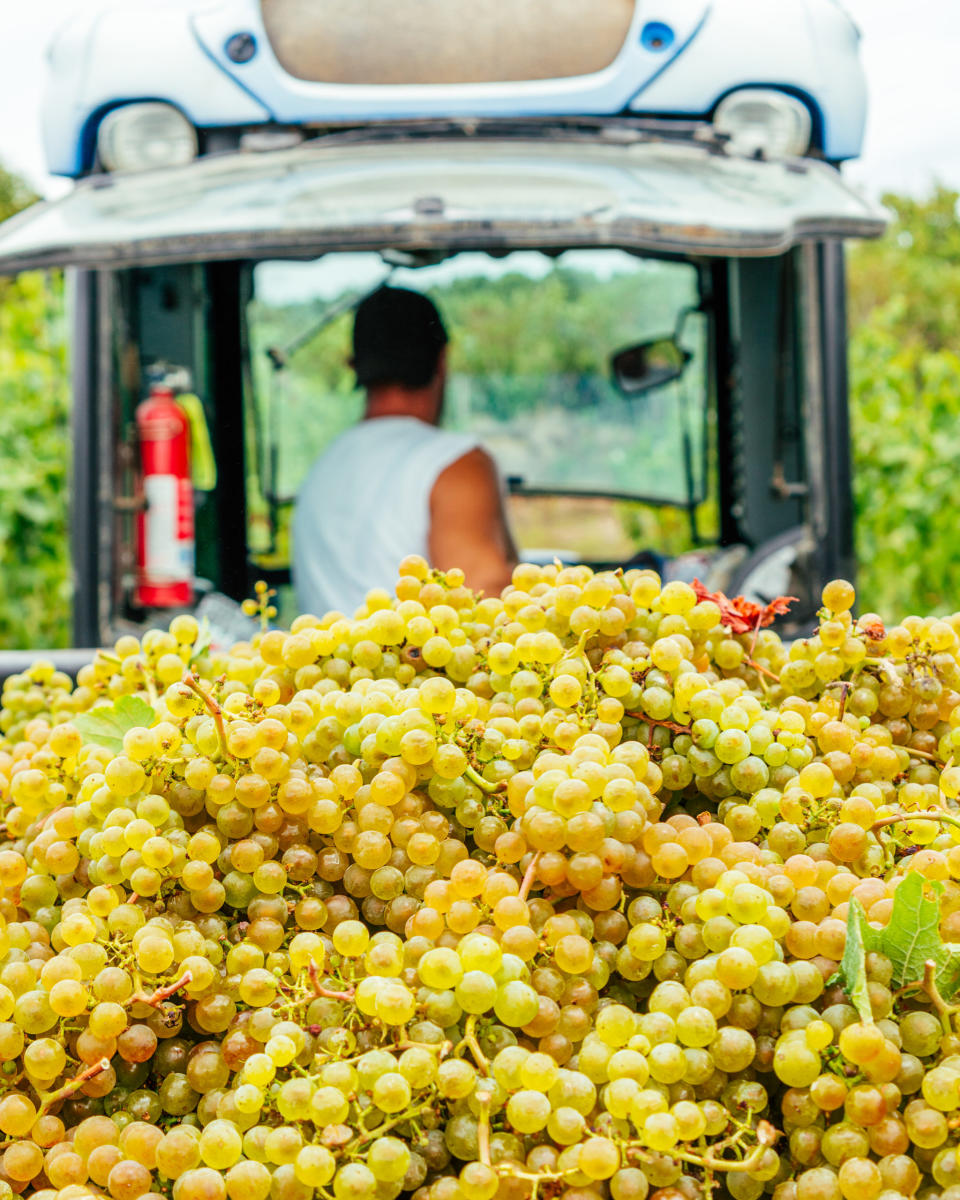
(397, 338)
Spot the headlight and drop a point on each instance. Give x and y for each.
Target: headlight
(140, 136)
(763, 120)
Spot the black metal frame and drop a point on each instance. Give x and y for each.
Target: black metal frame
(723, 355)
(87, 535)
(83, 540)
(839, 556)
(226, 353)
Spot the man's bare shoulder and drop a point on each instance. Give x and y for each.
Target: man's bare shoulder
(474, 470)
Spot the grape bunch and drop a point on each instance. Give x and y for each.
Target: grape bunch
(595, 890)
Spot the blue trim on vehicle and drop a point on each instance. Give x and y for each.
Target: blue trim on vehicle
(673, 57)
(229, 71)
(657, 36)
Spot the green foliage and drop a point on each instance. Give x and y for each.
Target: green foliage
(529, 374)
(106, 724)
(910, 940)
(905, 407)
(34, 449)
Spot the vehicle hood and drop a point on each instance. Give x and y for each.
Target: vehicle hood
(422, 193)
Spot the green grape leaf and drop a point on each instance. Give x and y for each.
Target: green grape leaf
(106, 724)
(853, 965)
(910, 939)
(948, 976)
(912, 934)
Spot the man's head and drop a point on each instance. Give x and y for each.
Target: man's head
(399, 344)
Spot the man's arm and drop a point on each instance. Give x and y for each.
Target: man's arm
(468, 526)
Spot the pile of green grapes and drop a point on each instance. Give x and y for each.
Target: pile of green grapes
(588, 890)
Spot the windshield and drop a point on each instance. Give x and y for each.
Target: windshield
(592, 471)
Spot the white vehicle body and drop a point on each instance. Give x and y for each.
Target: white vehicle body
(219, 65)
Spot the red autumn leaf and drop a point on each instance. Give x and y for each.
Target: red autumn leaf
(740, 615)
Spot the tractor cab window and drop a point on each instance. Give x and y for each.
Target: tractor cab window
(584, 373)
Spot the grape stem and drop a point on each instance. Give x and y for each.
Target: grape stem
(382, 1128)
(756, 634)
(924, 754)
(483, 1130)
(845, 687)
(766, 1137)
(73, 1085)
(674, 726)
(162, 993)
(442, 1048)
(470, 1041)
(532, 1179)
(325, 993)
(761, 670)
(478, 780)
(899, 818)
(213, 708)
(929, 985)
(528, 877)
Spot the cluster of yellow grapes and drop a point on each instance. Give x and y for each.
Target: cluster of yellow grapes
(587, 890)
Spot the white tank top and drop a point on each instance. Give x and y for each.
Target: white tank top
(364, 506)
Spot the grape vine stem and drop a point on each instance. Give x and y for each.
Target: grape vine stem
(900, 818)
(766, 1137)
(761, 670)
(529, 876)
(327, 993)
(478, 780)
(213, 708)
(673, 726)
(156, 998)
(924, 754)
(470, 1041)
(929, 985)
(483, 1130)
(73, 1085)
(382, 1128)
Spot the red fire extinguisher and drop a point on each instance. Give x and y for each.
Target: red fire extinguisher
(165, 528)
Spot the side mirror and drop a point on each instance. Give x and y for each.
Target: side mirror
(648, 365)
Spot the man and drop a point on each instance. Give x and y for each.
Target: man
(396, 484)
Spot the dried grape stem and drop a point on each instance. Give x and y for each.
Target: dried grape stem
(162, 993)
(325, 993)
(528, 877)
(845, 688)
(73, 1085)
(761, 670)
(756, 634)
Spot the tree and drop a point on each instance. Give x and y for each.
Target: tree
(34, 447)
(905, 406)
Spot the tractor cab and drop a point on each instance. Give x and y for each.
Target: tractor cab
(638, 253)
